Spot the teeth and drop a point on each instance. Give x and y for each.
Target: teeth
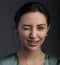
(32, 41)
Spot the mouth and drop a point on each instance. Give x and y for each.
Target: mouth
(33, 42)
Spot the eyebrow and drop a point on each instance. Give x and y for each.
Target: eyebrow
(26, 25)
(41, 25)
(31, 25)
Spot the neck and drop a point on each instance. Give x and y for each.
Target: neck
(30, 54)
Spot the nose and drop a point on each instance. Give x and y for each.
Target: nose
(33, 34)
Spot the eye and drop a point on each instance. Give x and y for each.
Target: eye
(41, 28)
(26, 28)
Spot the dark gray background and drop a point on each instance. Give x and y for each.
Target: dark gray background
(9, 42)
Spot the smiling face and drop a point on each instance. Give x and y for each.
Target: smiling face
(32, 30)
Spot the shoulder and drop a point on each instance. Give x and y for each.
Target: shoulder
(53, 60)
(8, 60)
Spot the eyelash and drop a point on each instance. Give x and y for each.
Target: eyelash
(39, 28)
(26, 28)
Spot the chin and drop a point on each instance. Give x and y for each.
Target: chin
(32, 48)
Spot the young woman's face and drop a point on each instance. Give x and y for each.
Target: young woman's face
(32, 30)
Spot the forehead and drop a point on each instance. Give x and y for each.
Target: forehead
(33, 18)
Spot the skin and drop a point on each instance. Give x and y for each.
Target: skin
(32, 27)
(32, 31)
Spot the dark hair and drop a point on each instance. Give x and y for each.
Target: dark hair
(31, 7)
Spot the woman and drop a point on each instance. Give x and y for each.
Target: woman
(32, 25)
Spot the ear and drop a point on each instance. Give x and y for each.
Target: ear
(48, 28)
(15, 30)
(15, 27)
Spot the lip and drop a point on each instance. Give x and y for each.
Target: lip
(33, 42)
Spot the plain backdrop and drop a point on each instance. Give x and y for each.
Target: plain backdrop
(9, 42)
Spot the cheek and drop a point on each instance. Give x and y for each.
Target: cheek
(23, 35)
(43, 34)
(42, 37)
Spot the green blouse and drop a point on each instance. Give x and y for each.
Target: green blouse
(13, 60)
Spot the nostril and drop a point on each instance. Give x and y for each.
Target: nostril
(33, 35)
